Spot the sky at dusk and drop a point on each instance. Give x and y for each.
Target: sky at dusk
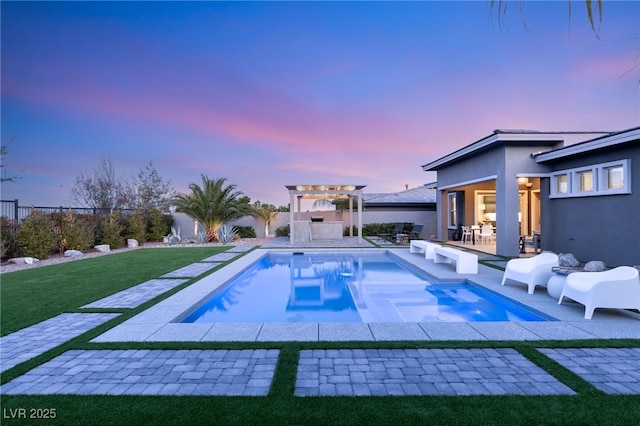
(269, 94)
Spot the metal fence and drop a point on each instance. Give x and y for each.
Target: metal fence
(13, 211)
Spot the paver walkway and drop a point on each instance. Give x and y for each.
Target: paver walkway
(151, 372)
(190, 271)
(35, 340)
(453, 372)
(613, 371)
(137, 295)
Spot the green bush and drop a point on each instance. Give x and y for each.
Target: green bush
(36, 235)
(9, 246)
(245, 231)
(112, 230)
(282, 231)
(73, 232)
(136, 227)
(373, 229)
(158, 225)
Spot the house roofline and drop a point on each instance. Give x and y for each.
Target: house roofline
(601, 142)
(501, 136)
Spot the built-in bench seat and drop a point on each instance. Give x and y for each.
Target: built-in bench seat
(421, 246)
(466, 263)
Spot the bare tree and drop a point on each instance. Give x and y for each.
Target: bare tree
(102, 189)
(3, 166)
(151, 190)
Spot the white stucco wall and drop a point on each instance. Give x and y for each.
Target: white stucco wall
(427, 218)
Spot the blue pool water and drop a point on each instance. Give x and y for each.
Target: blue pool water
(354, 287)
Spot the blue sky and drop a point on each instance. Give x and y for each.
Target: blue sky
(269, 94)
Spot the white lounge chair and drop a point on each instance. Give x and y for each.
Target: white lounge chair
(615, 288)
(532, 271)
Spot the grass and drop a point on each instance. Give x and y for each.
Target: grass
(33, 295)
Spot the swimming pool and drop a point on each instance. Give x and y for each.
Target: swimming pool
(349, 287)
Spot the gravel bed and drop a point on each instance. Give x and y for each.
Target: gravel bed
(6, 267)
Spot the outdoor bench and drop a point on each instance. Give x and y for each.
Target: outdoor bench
(421, 246)
(466, 263)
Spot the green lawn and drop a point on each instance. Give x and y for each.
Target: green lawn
(30, 296)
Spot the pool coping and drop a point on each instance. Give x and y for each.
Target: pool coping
(156, 324)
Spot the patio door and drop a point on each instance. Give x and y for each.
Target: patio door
(485, 208)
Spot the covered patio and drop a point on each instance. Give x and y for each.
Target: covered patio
(315, 228)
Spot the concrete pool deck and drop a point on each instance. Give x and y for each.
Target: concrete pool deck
(156, 324)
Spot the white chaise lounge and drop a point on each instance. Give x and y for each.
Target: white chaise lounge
(615, 288)
(466, 263)
(421, 246)
(532, 271)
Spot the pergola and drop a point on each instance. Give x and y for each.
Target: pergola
(298, 192)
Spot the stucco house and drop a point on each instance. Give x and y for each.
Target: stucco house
(508, 178)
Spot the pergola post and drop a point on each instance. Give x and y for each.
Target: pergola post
(292, 208)
(359, 216)
(350, 216)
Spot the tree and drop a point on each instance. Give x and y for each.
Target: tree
(3, 166)
(151, 190)
(502, 6)
(265, 212)
(102, 189)
(213, 204)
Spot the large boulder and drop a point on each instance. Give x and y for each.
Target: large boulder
(73, 253)
(132, 243)
(103, 248)
(595, 266)
(568, 260)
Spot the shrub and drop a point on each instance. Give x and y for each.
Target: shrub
(174, 237)
(226, 233)
(73, 232)
(245, 231)
(112, 229)
(9, 246)
(36, 236)
(158, 225)
(136, 227)
(282, 231)
(373, 229)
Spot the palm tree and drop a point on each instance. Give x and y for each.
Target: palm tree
(265, 212)
(591, 13)
(213, 204)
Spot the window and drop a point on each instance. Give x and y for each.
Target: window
(562, 184)
(453, 210)
(585, 181)
(614, 177)
(600, 179)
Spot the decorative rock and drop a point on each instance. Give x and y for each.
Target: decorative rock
(595, 266)
(21, 260)
(103, 248)
(568, 260)
(131, 243)
(73, 253)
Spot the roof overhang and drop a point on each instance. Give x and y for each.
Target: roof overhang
(602, 142)
(324, 191)
(499, 137)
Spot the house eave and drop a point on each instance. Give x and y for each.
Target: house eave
(602, 142)
(498, 137)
